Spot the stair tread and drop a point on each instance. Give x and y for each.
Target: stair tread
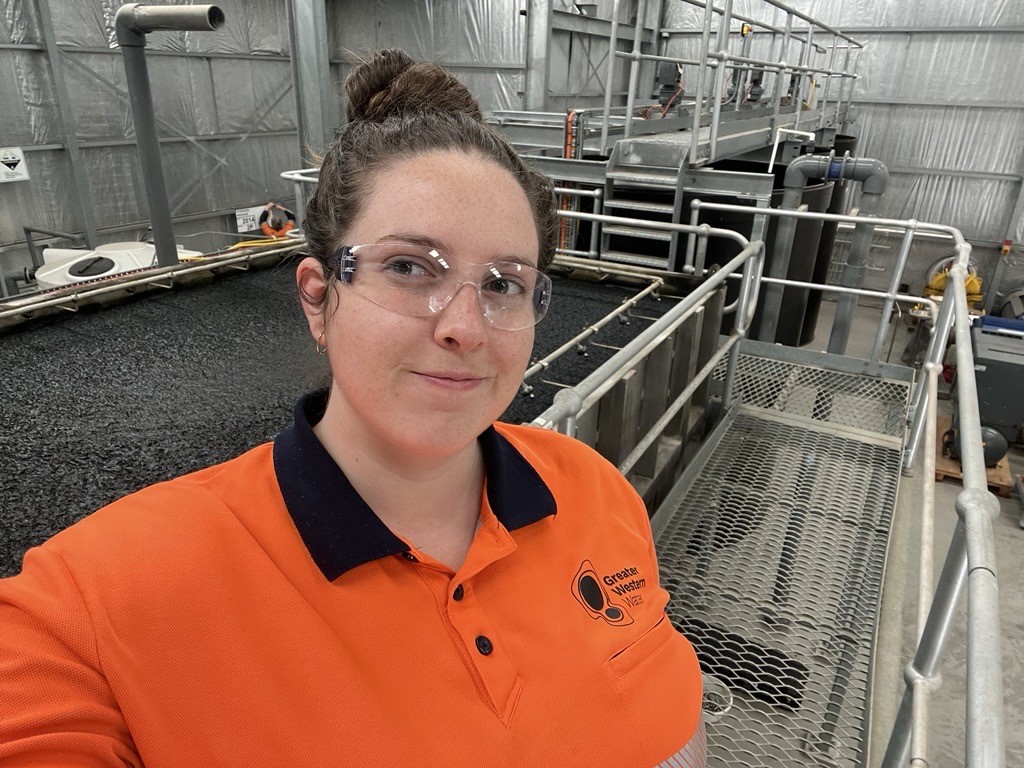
(635, 259)
(638, 205)
(649, 234)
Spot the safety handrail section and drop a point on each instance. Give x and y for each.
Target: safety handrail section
(804, 66)
(570, 403)
(971, 556)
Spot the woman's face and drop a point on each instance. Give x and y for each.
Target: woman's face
(427, 386)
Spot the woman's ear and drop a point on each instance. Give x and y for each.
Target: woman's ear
(312, 285)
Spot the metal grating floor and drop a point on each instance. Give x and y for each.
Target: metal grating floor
(847, 399)
(774, 555)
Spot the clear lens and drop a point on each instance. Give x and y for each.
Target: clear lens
(418, 281)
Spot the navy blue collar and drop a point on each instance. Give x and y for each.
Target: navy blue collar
(341, 531)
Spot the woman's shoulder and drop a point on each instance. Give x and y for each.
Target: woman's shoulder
(553, 454)
(547, 441)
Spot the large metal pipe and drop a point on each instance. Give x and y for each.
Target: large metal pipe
(132, 23)
(874, 178)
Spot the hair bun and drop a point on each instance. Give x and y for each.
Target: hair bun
(391, 83)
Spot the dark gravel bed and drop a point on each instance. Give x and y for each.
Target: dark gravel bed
(100, 404)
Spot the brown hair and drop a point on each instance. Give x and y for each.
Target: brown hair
(398, 108)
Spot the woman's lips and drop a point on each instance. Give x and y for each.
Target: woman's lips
(453, 381)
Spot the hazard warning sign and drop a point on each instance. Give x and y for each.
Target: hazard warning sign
(12, 164)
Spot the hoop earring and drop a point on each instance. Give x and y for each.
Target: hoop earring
(321, 343)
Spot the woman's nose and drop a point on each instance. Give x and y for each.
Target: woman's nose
(462, 320)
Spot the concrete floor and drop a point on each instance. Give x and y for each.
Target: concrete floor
(897, 629)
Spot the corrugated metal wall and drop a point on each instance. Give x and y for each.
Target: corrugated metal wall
(937, 101)
(223, 100)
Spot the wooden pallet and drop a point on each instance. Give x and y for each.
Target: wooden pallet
(1000, 481)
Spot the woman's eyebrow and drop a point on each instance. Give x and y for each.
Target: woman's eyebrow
(415, 239)
(429, 242)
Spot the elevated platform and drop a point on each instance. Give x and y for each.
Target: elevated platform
(773, 547)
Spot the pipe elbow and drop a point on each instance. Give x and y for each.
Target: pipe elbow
(873, 175)
(126, 26)
(803, 168)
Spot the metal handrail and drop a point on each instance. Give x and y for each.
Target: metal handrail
(571, 402)
(708, 102)
(971, 556)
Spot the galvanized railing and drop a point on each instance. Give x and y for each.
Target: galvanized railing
(718, 57)
(971, 556)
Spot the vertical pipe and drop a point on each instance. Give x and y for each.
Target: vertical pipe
(828, 83)
(723, 48)
(634, 66)
(853, 276)
(842, 82)
(936, 349)
(137, 77)
(691, 239)
(894, 286)
(702, 72)
(612, 46)
(780, 77)
(300, 202)
(805, 61)
(595, 226)
(922, 686)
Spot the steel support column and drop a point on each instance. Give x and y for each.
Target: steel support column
(316, 121)
(79, 193)
(538, 54)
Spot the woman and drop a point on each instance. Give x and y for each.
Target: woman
(396, 578)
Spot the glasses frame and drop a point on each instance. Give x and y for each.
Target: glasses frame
(344, 260)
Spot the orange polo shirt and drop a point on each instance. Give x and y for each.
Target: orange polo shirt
(258, 613)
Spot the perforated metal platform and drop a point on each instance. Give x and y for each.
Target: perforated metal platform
(773, 548)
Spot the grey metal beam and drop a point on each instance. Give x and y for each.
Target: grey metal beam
(101, 143)
(582, 171)
(538, 54)
(914, 171)
(179, 54)
(314, 99)
(65, 116)
(588, 25)
(935, 30)
(943, 104)
(487, 65)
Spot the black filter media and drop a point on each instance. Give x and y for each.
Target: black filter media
(100, 404)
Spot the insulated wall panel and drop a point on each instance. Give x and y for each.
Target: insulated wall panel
(245, 90)
(960, 138)
(41, 202)
(482, 41)
(941, 68)
(977, 207)
(114, 185)
(18, 22)
(98, 95)
(84, 23)
(28, 114)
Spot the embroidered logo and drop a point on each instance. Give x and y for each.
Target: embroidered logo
(605, 597)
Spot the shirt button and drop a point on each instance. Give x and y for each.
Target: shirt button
(457, 594)
(484, 645)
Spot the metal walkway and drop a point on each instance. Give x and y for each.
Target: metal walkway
(773, 546)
